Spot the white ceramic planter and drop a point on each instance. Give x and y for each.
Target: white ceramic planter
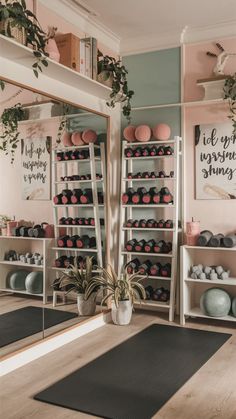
(86, 307)
(121, 315)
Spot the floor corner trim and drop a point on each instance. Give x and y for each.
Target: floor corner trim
(51, 343)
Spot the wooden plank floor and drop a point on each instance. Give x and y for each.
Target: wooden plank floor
(209, 394)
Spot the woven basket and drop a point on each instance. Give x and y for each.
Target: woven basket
(17, 33)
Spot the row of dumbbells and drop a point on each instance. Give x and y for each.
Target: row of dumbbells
(65, 261)
(76, 196)
(22, 231)
(150, 175)
(150, 246)
(149, 268)
(79, 177)
(150, 223)
(149, 151)
(144, 196)
(30, 258)
(72, 155)
(80, 221)
(159, 294)
(76, 241)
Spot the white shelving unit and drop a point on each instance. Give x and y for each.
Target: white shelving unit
(192, 289)
(24, 245)
(65, 168)
(127, 211)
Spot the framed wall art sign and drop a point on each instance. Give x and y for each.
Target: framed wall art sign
(36, 168)
(215, 161)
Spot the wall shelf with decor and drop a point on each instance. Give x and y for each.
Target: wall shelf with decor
(63, 211)
(22, 245)
(134, 211)
(20, 54)
(192, 289)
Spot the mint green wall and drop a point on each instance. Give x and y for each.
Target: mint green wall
(154, 76)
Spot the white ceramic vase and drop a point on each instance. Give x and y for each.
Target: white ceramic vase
(86, 307)
(123, 314)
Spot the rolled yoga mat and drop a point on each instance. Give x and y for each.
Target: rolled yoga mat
(136, 378)
(216, 240)
(229, 241)
(204, 238)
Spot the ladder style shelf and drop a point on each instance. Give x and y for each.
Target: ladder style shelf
(127, 212)
(65, 168)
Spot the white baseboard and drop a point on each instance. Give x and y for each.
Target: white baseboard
(49, 344)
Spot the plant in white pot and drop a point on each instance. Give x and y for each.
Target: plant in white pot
(123, 291)
(78, 280)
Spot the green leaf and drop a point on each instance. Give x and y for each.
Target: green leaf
(36, 73)
(44, 62)
(37, 54)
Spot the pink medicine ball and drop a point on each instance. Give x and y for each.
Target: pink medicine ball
(143, 133)
(76, 138)
(66, 139)
(129, 133)
(161, 132)
(89, 136)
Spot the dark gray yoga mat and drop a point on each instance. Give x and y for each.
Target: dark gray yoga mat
(27, 321)
(136, 378)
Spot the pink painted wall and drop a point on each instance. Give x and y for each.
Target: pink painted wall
(198, 65)
(218, 215)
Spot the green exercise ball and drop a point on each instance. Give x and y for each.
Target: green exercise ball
(215, 302)
(234, 306)
(16, 279)
(34, 282)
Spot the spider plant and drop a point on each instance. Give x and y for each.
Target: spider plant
(78, 279)
(125, 287)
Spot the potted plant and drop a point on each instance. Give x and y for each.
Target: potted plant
(17, 22)
(4, 219)
(122, 291)
(230, 94)
(10, 134)
(112, 73)
(78, 280)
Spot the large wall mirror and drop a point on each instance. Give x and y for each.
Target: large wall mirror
(53, 182)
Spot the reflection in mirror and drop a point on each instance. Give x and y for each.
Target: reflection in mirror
(53, 214)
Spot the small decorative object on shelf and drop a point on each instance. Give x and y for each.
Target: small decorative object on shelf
(69, 49)
(4, 220)
(112, 73)
(221, 59)
(192, 232)
(123, 290)
(51, 47)
(79, 280)
(215, 302)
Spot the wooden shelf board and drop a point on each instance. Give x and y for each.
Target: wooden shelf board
(17, 263)
(25, 238)
(75, 161)
(77, 181)
(229, 249)
(75, 226)
(166, 255)
(23, 55)
(163, 278)
(229, 281)
(20, 292)
(149, 179)
(196, 312)
(150, 157)
(54, 268)
(182, 104)
(77, 205)
(147, 229)
(150, 303)
(74, 249)
(75, 147)
(145, 144)
(149, 206)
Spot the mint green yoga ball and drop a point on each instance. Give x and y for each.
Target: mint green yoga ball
(16, 279)
(215, 302)
(234, 306)
(34, 282)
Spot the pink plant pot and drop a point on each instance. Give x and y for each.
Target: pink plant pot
(89, 136)
(161, 132)
(76, 138)
(52, 49)
(129, 133)
(191, 239)
(66, 139)
(143, 133)
(193, 227)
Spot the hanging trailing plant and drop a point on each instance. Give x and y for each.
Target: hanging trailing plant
(230, 94)
(114, 74)
(66, 109)
(10, 134)
(14, 15)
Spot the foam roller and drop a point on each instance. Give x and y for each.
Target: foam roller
(215, 241)
(229, 241)
(204, 238)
